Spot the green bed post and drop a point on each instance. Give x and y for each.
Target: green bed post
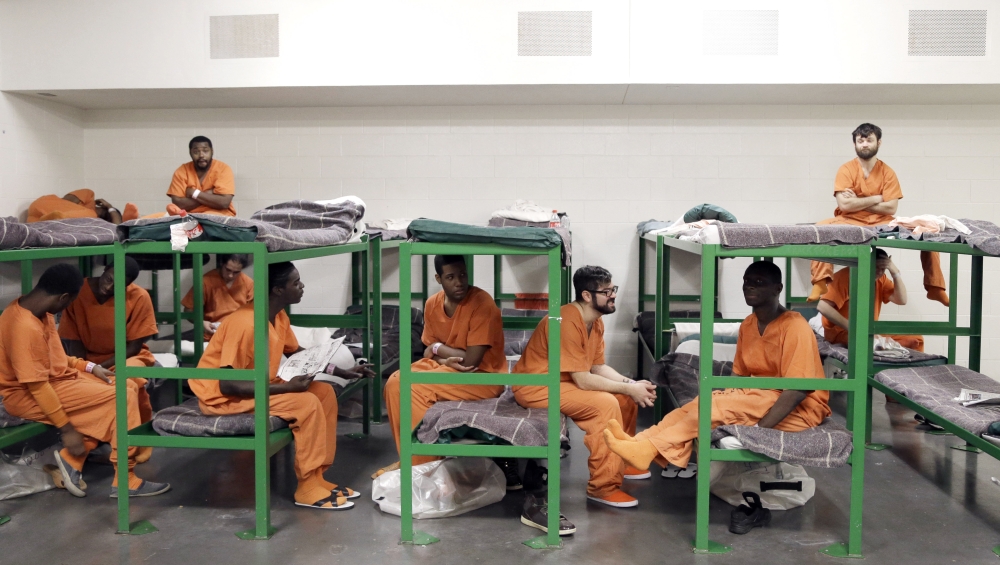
(788, 283)
(376, 359)
(26, 276)
(555, 329)
(424, 285)
(199, 306)
(953, 306)
(975, 312)
(154, 278)
(641, 307)
(661, 315)
(366, 393)
(498, 280)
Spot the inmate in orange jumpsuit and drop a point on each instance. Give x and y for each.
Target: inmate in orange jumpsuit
(88, 321)
(312, 415)
(219, 179)
(33, 362)
(221, 300)
(591, 410)
(476, 321)
(882, 180)
(52, 207)
(787, 349)
(839, 293)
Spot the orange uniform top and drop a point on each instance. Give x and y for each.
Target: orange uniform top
(221, 300)
(93, 323)
(219, 179)
(578, 350)
(30, 350)
(51, 203)
(882, 180)
(232, 346)
(787, 349)
(839, 293)
(476, 321)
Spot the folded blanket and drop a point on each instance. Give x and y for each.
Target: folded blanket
(827, 445)
(839, 352)
(74, 232)
(929, 223)
(984, 236)
(501, 417)
(526, 211)
(935, 388)
(564, 233)
(188, 420)
(743, 236)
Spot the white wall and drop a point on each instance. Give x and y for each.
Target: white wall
(608, 166)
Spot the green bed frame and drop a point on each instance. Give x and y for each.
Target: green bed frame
(409, 447)
(861, 259)
(263, 443)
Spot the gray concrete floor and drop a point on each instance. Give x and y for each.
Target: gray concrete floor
(924, 503)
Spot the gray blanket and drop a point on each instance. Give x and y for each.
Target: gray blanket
(7, 420)
(514, 341)
(679, 373)
(75, 232)
(502, 417)
(985, 235)
(827, 445)
(935, 388)
(839, 352)
(742, 236)
(188, 420)
(567, 237)
(386, 235)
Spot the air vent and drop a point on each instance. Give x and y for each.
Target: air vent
(554, 34)
(947, 33)
(741, 32)
(244, 37)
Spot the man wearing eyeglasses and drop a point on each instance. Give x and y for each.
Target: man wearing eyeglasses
(591, 393)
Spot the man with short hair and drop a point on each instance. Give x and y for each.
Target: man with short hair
(225, 289)
(591, 393)
(868, 193)
(78, 204)
(39, 382)
(204, 185)
(773, 342)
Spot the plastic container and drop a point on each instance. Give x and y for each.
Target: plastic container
(554, 220)
(564, 221)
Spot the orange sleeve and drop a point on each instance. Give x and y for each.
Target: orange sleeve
(236, 346)
(68, 328)
(188, 300)
(29, 355)
(844, 179)
(887, 287)
(291, 342)
(485, 323)
(141, 317)
(890, 185)
(573, 356)
(178, 184)
(48, 401)
(839, 291)
(427, 337)
(225, 182)
(599, 350)
(799, 352)
(249, 291)
(739, 366)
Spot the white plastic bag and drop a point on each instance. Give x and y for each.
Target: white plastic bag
(781, 486)
(24, 475)
(444, 488)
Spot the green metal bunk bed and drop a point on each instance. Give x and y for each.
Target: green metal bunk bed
(26, 257)
(263, 443)
(861, 259)
(410, 447)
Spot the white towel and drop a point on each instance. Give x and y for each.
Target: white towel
(525, 211)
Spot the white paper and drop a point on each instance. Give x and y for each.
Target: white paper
(310, 361)
(969, 397)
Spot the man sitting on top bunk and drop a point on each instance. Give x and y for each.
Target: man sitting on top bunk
(39, 382)
(836, 302)
(773, 342)
(78, 204)
(591, 393)
(225, 289)
(463, 332)
(868, 193)
(204, 185)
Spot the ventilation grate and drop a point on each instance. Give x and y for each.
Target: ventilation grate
(741, 32)
(243, 37)
(554, 34)
(947, 33)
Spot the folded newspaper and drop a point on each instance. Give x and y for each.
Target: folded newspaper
(310, 361)
(969, 397)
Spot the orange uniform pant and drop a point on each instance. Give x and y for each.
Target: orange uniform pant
(423, 396)
(591, 411)
(930, 261)
(91, 409)
(312, 416)
(674, 435)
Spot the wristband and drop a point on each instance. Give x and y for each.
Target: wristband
(194, 195)
(435, 347)
(90, 367)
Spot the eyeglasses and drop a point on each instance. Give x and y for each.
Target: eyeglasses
(608, 292)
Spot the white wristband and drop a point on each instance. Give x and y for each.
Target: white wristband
(90, 367)
(195, 194)
(435, 347)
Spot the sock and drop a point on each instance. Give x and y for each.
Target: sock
(818, 289)
(638, 454)
(131, 212)
(134, 482)
(142, 454)
(73, 461)
(938, 294)
(616, 430)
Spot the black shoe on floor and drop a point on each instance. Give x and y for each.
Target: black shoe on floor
(535, 513)
(745, 518)
(509, 468)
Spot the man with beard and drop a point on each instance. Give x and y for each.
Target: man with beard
(591, 393)
(773, 342)
(868, 193)
(203, 186)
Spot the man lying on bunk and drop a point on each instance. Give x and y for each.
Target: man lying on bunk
(868, 193)
(78, 204)
(463, 332)
(225, 289)
(87, 329)
(773, 342)
(39, 382)
(836, 302)
(309, 407)
(591, 393)
(204, 185)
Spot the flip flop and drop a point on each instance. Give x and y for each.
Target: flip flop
(335, 502)
(345, 492)
(674, 472)
(57, 477)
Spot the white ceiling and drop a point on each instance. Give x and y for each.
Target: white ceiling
(607, 94)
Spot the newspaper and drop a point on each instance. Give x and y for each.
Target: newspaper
(310, 361)
(969, 397)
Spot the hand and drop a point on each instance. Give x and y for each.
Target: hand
(209, 329)
(892, 268)
(104, 374)
(72, 440)
(360, 371)
(300, 383)
(643, 393)
(456, 363)
(189, 191)
(848, 193)
(103, 203)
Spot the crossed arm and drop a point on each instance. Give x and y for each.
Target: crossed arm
(848, 201)
(205, 198)
(463, 360)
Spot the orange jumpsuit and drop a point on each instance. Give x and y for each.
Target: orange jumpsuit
(219, 179)
(88, 321)
(221, 300)
(839, 293)
(476, 321)
(787, 349)
(312, 415)
(579, 351)
(32, 355)
(52, 207)
(882, 180)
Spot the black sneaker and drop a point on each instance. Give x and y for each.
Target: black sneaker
(745, 518)
(535, 513)
(509, 468)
